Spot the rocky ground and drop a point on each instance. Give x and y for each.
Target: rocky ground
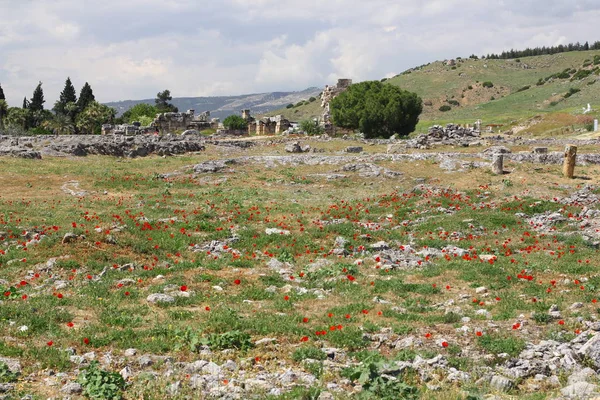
(299, 268)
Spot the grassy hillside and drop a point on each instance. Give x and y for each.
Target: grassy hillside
(509, 101)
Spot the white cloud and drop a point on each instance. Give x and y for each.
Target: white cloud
(133, 49)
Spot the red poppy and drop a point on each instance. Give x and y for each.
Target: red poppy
(183, 288)
(86, 340)
(237, 281)
(444, 344)
(50, 343)
(479, 333)
(70, 324)
(305, 320)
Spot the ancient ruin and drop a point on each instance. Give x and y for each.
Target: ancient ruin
(266, 125)
(166, 123)
(329, 93)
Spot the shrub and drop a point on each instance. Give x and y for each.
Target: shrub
(488, 84)
(540, 82)
(377, 109)
(453, 102)
(311, 127)
(235, 122)
(311, 99)
(300, 103)
(40, 131)
(571, 92)
(445, 108)
(581, 74)
(470, 87)
(597, 60)
(100, 384)
(140, 110)
(524, 88)
(289, 106)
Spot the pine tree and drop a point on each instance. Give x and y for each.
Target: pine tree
(2, 97)
(37, 101)
(68, 95)
(86, 96)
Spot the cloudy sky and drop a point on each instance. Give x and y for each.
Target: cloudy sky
(131, 49)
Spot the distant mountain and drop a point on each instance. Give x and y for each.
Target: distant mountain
(223, 106)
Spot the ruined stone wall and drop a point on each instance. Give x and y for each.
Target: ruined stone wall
(329, 93)
(179, 121)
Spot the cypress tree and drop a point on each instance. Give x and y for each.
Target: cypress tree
(68, 95)
(86, 96)
(2, 97)
(25, 103)
(37, 101)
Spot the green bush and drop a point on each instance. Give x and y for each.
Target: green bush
(235, 122)
(453, 102)
(571, 92)
(289, 106)
(100, 384)
(524, 88)
(445, 108)
(581, 74)
(377, 109)
(312, 99)
(138, 111)
(488, 84)
(311, 127)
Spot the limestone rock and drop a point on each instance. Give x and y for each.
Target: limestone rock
(160, 298)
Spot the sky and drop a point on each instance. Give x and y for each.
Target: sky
(132, 49)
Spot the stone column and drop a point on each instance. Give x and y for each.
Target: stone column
(570, 158)
(498, 163)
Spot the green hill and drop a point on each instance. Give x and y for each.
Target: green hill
(514, 97)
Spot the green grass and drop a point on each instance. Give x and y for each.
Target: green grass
(320, 300)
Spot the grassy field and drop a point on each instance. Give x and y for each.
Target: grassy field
(137, 233)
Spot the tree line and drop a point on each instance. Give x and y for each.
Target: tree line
(541, 51)
(71, 114)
